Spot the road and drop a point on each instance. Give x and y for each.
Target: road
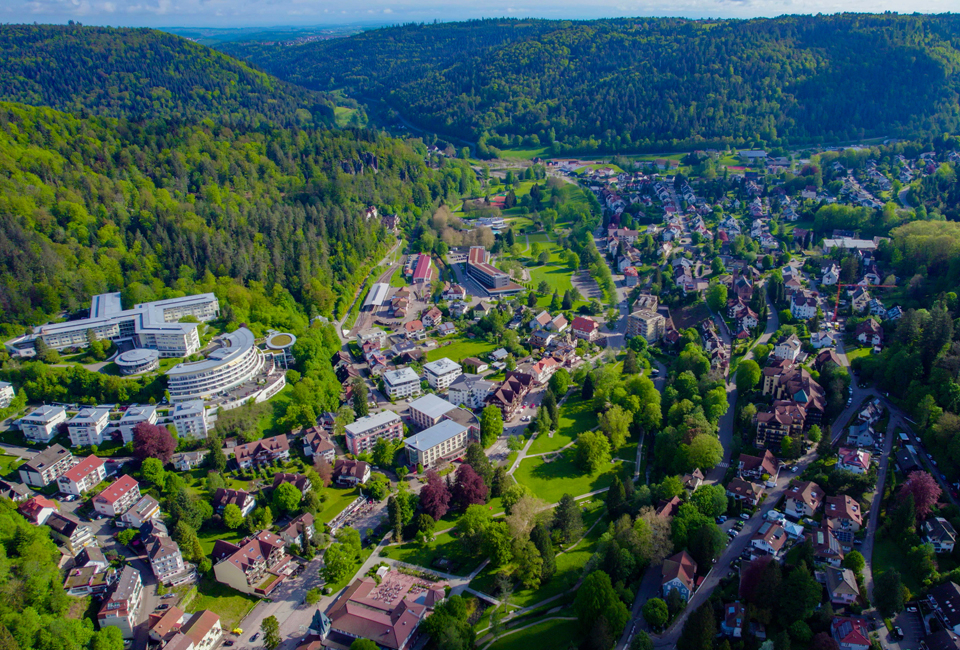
(904, 196)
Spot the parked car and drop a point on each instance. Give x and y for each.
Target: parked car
(255, 637)
(912, 609)
(721, 519)
(744, 515)
(898, 632)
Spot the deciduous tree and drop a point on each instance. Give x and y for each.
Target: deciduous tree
(153, 441)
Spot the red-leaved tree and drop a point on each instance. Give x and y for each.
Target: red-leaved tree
(823, 641)
(925, 491)
(469, 488)
(153, 441)
(435, 496)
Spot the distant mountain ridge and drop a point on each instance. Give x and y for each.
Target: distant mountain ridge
(144, 74)
(647, 83)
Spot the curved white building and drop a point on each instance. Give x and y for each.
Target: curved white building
(133, 362)
(237, 361)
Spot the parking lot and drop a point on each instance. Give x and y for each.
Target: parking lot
(913, 632)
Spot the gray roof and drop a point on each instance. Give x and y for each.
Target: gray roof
(469, 382)
(400, 376)
(235, 345)
(434, 435)
(432, 406)
(45, 413)
(441, 366)
(371, 421)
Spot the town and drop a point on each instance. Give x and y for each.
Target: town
(649, 396)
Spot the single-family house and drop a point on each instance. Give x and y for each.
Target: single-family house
(679, 573)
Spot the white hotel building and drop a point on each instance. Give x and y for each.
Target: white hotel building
(233, 364)
(150, 325)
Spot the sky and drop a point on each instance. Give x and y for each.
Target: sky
(311, 13)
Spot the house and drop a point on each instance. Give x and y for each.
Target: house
(401, 383)
(122, 608)
(37, 509)
(869, 332)
(803, 499)
(469, 390)
(204, 630)
(364, 432)
(831, 275)
(474, 366)
(432, 317)
(820, 340)
(860, 300)
(47, 466)
(441, 373)
(668, 508)
(826, 546)
(429, 409)
(558, 324)
(693, 480)
(745, 491)
(788, 349)
(256, 566)
(164, 625)
(850, 633)
(188, 460)
(945, 599)
(87, 426)
(316, 442)
(445, 329)
(414, 330)
(586, 328)
(940, 533)
(843, 513)
(542, 370)
(144, 510)
(454, 292)
(42, 424)
(262, 452)
(118, 497)
(541, 339)
(508, 397)
(755, 467)
(842, 586)
(89, 581)
(853, 460)
(16, 492)
(67, 530)
(803, 304)
(299, 531)
(166, 560)
(83, 476)
(299, 481)
(786, 419)
(770, 538)
(351, 472)
(440, 442)
(734, 618)
(224, 497)
(377, 336)
(679, 573)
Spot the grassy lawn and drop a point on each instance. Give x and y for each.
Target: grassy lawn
(858, 352)
(276, 406)
(343, 114)
(552, 634)
(445, 546)
(887, 555)
(449, 520)
(524, 154)
(209, 536)
(230, 605)
(576, 416)
(8, 463)
(336, 501)
(552, 480)
(397, 279)
(459, 348)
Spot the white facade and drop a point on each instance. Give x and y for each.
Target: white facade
(134, 416)
(87, 426)
(41, 425)
(469, 390)
(401, 383)
(233, 364)
(443, 440)
(190, 419)
(6, 394)
(441, 373)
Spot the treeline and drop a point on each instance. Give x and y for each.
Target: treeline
(645, 84)
(156, 210)
(142, 74)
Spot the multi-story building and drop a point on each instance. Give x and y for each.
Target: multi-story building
(256, 566)
(144, 510)
(87, 426)
(67, 531)
(679, 573)
(770, 538)
(650, 325)
(122, 607)
(42, 424)
(401, 383)
(364, 432)
(224, 497)
(37, 509)
(299, 531)
(508, 397)
(803, 499)
(47, 466)
(118, 497)
(190, 419)
(166, 561)
(429, 409)
(83, 476)
(586, 328)
(6, 394)
(134, 415)
(262, 452)
(441, 441)
(89, 581)
(299, 481)
(786, 419)
(441, 373)
(350, 472)
(843, 513)
(234, 363)
(939, 533)
(803, 304)
(469, 390)
(316, 442)
(491, 278)
(204, 630)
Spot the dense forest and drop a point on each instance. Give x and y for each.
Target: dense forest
(644, 83)
(156, 210)
(142, 74)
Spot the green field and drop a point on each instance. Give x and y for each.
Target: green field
(336, 501)
(857, 352)
(231, 606)
(524, 154)
(460, 348)
(209, 536)
(444, 546)
(397, 280)
(343, 115)
(8, 463)
(552, 480)
(887, 555)
(576, 416)
(551, 634)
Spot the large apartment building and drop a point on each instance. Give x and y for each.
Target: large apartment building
(118, 497)
(87, 426)
(122, 607)
(401, 383)
(166, 561)
(82, 477)
(261, 452)
(650, 325)
(441, 373)
(363, 433)
(255, 566)
(41, 425)
(133, 416)
(190, 419)
(47, 466)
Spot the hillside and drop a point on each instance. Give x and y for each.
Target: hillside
(142, 74)
(635, 84)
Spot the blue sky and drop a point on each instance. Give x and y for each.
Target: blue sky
(308, 13)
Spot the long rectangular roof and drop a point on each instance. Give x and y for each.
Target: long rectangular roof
(377, 294)
(432, 406)
(372, 421)
(435, 435)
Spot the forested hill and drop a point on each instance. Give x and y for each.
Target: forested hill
(647, 83)
(156, 210)
(142, 74)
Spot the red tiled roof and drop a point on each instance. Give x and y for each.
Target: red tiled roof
(83, 468)
(117, 489)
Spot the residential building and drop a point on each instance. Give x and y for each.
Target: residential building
(364, 432)
(469, 390)
(350, 472)
(204, 630)
(299, 531)
(432, 317)
(788, 349)
(190, 419)
(7, 394)
(869, 332)
(83, 476)
(47, 466)
(734, 619)
(429, 409)
(415, 330)
(67, 531)
(755, 467)
(37, 509)
(122, 607)
(90, 580)
(441, 373)
(87, 426)
(650, 325)
(745, 491)
(401, 383)
(853, 460)
(803, 304)
(133, 416)
(850, 632)
(860, 299)
(144, 510)
(668, 507)
(377, 336)
(508, 397)
(542, 370)
(826, 546)
(803, 499)
(164, 625)
(820, 340)
(843, 513)
(188, 460)
(940, 533)
(118, 497)
(299, 481)
(166, 561)
(256, 566)
(679, 573)
(224, 497)
(262, 452)
(785, 419)
(942, 640)
(42, 424)
(770, 538)
(945, 600)
(586, 328)
(16, 492)
(440, 442)
(317, 442)
(842, 586)
(787, 382)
